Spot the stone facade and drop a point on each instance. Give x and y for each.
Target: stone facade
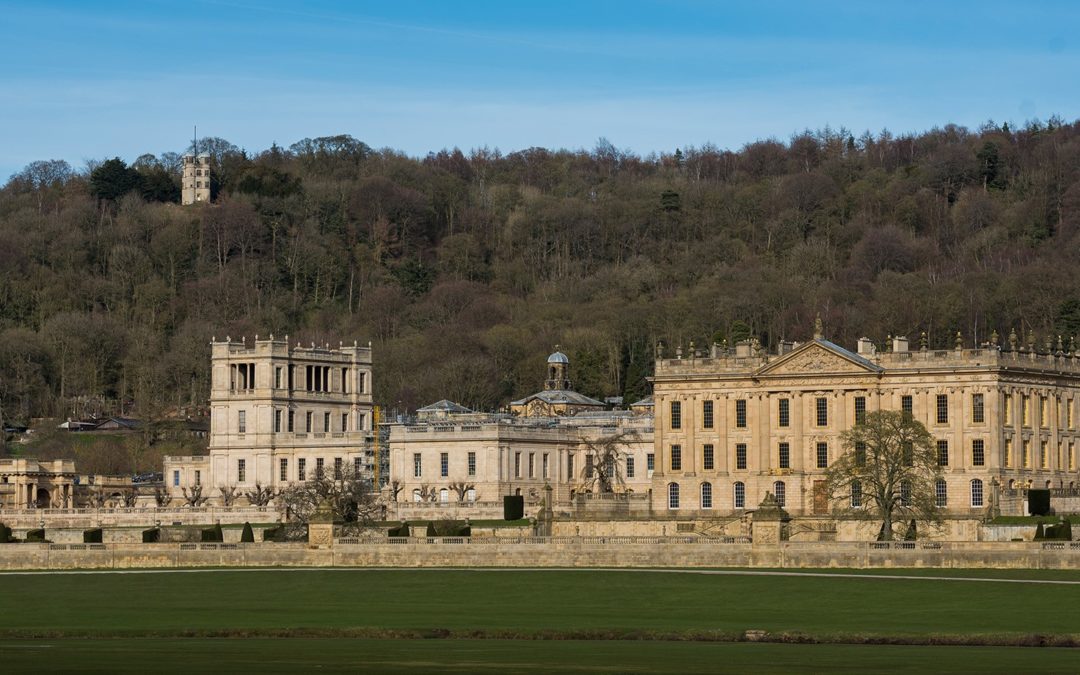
(280, 413)
(732, 425)
(28, 483)
(195, 184)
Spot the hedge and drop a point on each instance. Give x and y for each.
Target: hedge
(513, 507)
(5, 534)
(151, 536)
(35, 535)
(213, 534)
(400, 531)
(247, 536)
(274, 533)
(92, 536)
(1038, 502)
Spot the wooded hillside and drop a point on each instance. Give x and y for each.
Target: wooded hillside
(465, 270)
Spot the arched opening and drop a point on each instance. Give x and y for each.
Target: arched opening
(739, 494)
(42, 500)
(780, 492)
(976, 492)
(444, 496)
(417, 496)
(673, 495)
(706, 495)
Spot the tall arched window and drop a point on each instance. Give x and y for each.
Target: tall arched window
(673, 495)
(941, 493)
(706, 495)
(470, 495)
(444, 495)
(856, 494)
(905, 493)
(416, 496)
(976, 492)
(780, 492)
(739, 492)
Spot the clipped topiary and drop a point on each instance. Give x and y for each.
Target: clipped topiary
(400, 531)
(213, 534)
(92, 536)
(247, 536)
(35, 536)
(5, 534)
(911, 533)
(1040, 533)
(151, 536)
(431, 530)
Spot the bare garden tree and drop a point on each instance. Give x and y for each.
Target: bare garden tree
(130, 498)
(605, 458)
(228, 493)
(889, 472)
(162, 496)
(461, 489)
(348, 495)
(395, 490)
(261, 495)
(193, 496)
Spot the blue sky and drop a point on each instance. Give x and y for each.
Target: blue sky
(86, 80)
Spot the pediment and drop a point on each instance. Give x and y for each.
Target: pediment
(819, 358)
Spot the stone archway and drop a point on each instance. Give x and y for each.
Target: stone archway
(42, 498)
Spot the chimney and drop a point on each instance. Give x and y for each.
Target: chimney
(866, 347)
(899, 344)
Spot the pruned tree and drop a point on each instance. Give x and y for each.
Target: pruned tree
(261, 495)
(888, 471)
(162, 496)
(193, 496)
(228, 494)
(605, 457)
(428, 493)
(461, 489)
(96, 498)
(130, 498)
(395, 490)
(347, 494)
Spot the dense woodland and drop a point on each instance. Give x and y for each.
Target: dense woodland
(465, 270)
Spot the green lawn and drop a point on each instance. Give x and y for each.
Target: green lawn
(509, 602)
(141, 655)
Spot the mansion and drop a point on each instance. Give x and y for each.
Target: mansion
(279, 414)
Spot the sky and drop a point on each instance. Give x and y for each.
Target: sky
(86, 80)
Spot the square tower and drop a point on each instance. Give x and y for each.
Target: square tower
(196, 180)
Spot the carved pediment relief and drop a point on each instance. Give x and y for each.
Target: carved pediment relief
(814, 359)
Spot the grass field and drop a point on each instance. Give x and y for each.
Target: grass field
(636, 621)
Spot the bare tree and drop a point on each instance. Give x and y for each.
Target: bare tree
(261, 495)
(162, 496)
(194, 496)
(130, 497)
(96, 498)
(889, 471)
(229, 493)
(395, 490)
(461, 489)
(605, 457)
(347, 494)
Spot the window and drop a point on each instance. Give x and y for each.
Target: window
(783, 417)
(417, 465)
(822, 455)
(706, 495)
(1072, 456)
(1043, 458)
(417, 496)
(360, 381)
(822, 405)
(198, 477)
(740, 414)
(344, 380)
(780, 492)
(978, 409)
(470, 494)
(707, 457)
(356, 467)
(176, 478)
(360, 420)
(1007, 409)
(301, 469)
(707, 414)
(629, 466)
(860, 410)
(544, 464)
(444, 464)
(942, 408)
(444, 496)
(739, 493)
(241, 422)
(905, 493)
(860, 453)
(676, 458)
(907, 406)
(283, 469)
(320, 464)
(1043, 421)
(676, 415)
(277, 377)
(344, 421)
(532, 465)
(908, 454)
(650, 462)
(673, 495)
(337, 468)
(308, 421)
(1025, 410)
(326, 422)
(292, 419)
(241, 470)
(517, 465)
(856, 494)
(1008, 452)
(785, 456)
(588, 466)
(941, 493)
(943, 453)
(740, 455)
(472, 463)
(277, 421)
(976, 492)
(978, 452)
(570, 466)
(1025, 454)
(1068, 413)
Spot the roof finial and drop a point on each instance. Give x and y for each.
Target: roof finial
(819, 330)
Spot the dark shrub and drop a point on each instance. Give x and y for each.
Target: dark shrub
(35, 535)
(911, 533)
(5, 534)
(513, 507)
(1038, 502)
(431, 530)
(92, 536)
(247, 536)
(213, 534)
(151, 536)
(1040, 533)
(274, 533)
(400, 531)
